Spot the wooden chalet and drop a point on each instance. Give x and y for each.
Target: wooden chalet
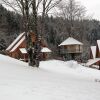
(71, 46)
(94, 55)
(17, 49)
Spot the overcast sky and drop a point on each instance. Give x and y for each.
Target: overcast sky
(93, 7)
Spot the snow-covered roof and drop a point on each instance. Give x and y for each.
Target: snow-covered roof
(71, 41)
(15, 41)
(45, 49)
(93, 49)
(92, 61)
(15, 47)
(98, 43)
(23, 50)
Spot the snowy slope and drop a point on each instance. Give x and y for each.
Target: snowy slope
(54, 80)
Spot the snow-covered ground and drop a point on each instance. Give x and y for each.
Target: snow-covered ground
(53, 80)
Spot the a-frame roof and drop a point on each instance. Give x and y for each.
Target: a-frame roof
(93, 51)
(70, 41)
(18, 43)
(15, 41)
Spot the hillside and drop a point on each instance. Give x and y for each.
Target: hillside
(9, 27)
(57, 29)
(53, 80)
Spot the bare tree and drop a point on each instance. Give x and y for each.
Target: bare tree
(43, 7)
(46, 7)
(24, 7)
(71, 11)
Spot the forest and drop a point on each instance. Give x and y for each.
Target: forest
(56, 29)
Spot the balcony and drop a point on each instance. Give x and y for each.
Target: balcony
(71, 50)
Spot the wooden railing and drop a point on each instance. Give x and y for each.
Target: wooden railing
(65, 51)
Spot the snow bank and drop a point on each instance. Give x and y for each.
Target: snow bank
(70, 68)
(72, 64)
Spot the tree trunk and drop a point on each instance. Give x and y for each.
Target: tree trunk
(37, 45)
(27, 35)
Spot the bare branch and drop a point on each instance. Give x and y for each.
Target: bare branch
(10, 4)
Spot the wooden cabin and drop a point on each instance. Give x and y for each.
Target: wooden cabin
(94, 55)
(17, 48)
(45, 53)
(71, 46)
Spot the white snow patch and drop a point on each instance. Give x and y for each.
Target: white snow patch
(53, 80)
(45, 49)
(23, 50)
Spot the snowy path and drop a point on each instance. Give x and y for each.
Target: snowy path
(54, 80)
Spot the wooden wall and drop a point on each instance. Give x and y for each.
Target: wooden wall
(97, 52)
(72, 49)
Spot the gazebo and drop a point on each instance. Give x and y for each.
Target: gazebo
(71, 47)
